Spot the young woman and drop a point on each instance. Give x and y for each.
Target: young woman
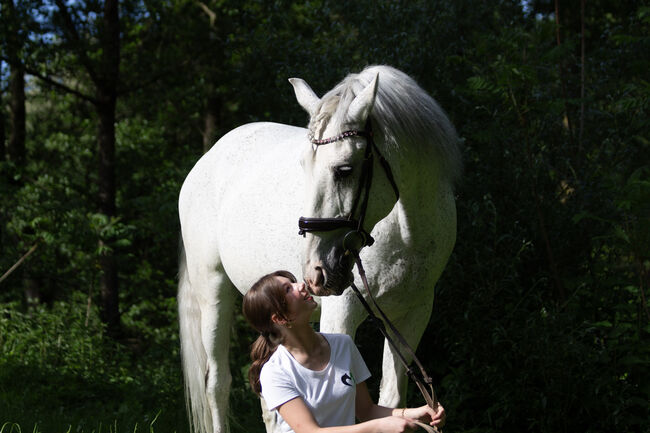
(316, 382)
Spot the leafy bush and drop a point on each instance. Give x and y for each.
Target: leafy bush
(60, 372)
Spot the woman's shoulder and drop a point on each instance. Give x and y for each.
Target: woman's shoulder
(278, 356)
(336, 336)
(275, 362)
(338, 339)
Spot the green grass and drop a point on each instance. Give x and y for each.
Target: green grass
(10, 427)
(60, 373)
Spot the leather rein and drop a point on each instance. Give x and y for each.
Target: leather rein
(355, 239)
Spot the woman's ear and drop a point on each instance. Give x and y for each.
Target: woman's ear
(277, 319)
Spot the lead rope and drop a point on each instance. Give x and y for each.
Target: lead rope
(428, 394)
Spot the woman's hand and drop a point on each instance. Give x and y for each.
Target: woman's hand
(395, 424)
(435, 417)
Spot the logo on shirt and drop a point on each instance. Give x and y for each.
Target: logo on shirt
(347, 380)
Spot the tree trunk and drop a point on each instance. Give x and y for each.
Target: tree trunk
(582, 75)
(16, 145)
(3, 148)
(16, 150)
(107, 96)
(105, 77)
(212, 118)
(567, 115)
(109, 287)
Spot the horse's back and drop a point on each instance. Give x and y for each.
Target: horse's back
(239, 149)
(241, 199)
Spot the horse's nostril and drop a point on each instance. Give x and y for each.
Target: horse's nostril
(318, 280)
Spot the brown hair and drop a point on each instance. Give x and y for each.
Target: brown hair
(265, 298)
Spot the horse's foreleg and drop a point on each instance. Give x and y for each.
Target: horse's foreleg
(341, 314)
(270, 418)
(392, 391)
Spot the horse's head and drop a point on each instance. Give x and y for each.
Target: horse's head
(340, 165)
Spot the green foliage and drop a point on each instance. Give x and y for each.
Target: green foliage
(541, 311)
(60, 372)
(541, 321)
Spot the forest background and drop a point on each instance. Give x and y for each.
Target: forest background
(541, 320)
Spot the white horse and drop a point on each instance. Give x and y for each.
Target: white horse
(239, 207)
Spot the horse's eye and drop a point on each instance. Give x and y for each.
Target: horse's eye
(342, 171)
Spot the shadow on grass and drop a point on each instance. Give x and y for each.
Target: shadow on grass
(48, 401)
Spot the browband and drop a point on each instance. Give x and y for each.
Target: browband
(341, 136)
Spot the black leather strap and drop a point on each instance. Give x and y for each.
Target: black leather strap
(362, 195)
(423, 380)
(309, 224)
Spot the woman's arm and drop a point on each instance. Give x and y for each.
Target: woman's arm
(296, 413)
(366, 409)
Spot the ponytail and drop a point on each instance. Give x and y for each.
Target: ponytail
(261, 351)
(265, 298)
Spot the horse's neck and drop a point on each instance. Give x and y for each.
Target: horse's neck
(415, 239)
(426, 209)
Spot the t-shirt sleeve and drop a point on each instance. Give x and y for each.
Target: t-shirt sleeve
(358, 366)
(277, 388)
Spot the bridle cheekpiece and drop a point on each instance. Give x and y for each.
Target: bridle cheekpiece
(357, 237)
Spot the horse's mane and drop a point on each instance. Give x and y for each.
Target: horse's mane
(404, 116)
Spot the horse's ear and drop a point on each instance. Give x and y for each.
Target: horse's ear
(305, 96)
(363, 103)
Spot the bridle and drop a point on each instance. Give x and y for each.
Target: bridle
(355, 239)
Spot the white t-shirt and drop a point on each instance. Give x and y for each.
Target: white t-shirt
(329, 394)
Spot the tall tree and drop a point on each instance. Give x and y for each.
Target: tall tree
(105, 77)
(106, 81)
(14, 46)
(94, 44)
(15, 36)
(2, 124)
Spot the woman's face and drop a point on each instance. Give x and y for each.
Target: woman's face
(299, 302)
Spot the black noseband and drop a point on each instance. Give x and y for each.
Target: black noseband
(354, 239)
